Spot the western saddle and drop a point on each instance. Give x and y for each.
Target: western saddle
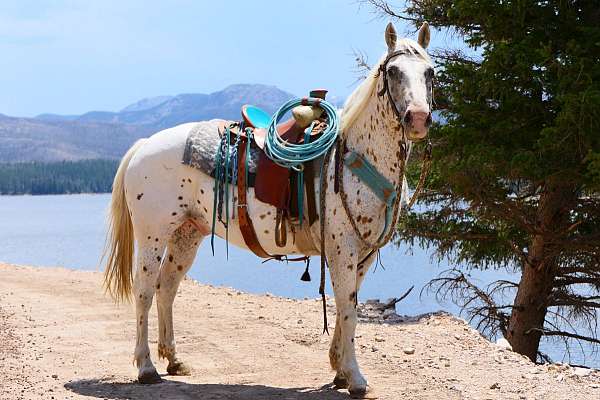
(274, 184)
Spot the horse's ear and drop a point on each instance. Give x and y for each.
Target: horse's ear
(390, 37)
(424, 35)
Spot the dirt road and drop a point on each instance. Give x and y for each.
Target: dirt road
(62, 338)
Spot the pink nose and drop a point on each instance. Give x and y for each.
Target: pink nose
(417, 121)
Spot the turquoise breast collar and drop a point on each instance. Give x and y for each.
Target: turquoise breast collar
(379, 185)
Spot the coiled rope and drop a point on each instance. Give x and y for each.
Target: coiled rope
(294, 155)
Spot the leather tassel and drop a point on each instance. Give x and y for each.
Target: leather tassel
(306, 275)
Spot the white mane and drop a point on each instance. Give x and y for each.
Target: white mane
(359, 98)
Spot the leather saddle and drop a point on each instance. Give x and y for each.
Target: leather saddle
(259, 121)
(274, 184)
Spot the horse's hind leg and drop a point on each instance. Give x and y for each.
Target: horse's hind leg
(180, 255)
(148, 260)
(335, 355)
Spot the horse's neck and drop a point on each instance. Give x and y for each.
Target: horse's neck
(377, 136)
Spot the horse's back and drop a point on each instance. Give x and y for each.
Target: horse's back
(162, 190)
(156, 177)
(170, 143)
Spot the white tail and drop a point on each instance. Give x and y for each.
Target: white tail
(119, 239)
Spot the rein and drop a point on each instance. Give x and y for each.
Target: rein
(425, 167)
(388, 229)
(379, 184)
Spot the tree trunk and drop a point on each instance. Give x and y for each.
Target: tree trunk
(539, 271)
(529, 310)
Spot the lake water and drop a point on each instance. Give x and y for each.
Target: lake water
(69, 230)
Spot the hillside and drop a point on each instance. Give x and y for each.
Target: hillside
(31, 139)
(61, 337)
(102, 134)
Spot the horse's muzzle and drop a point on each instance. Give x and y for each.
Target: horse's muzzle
(417, 124)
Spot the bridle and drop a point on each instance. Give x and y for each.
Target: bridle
(340, 149)
(386, 87)
(426, 163)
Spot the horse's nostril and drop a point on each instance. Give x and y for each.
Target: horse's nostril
(429, 120)
(408, 118)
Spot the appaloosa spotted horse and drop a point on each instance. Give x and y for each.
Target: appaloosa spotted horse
(165, 208)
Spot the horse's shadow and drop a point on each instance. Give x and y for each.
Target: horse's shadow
(176, 390)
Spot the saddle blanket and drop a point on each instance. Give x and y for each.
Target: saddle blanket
(202, 144)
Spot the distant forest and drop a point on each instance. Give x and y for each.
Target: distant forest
(62, 177)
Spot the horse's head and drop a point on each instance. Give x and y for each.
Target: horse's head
(407, 79)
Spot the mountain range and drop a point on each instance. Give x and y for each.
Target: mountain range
(108, 135)
(103, 134)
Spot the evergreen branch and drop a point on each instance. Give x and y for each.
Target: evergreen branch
(558, 316)
(464, 293)
(392, 303)
(566, 281)
(565, 340)
(564, 334)
(578, 270)
(500, 286)
(362, 67)
(454, 56)
(572, 302)
(383, 9)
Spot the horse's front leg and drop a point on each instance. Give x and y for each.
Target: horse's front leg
(343, 267)
(180, 255)
(335, 351)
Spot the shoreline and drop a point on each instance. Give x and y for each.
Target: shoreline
(61, 336)
(52, 194)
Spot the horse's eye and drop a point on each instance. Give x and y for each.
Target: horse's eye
(395, 72)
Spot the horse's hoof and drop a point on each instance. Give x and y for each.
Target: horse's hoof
(178, 368)
(362, 393)
(149, 377)
(340, 382)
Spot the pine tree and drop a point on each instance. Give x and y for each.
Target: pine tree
(60, 177)
(515, 180)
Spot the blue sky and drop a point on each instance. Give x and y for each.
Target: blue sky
(68, 57)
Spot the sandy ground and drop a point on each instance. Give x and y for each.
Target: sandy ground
(62, 338)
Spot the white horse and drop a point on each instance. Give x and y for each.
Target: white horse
(166, 208)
